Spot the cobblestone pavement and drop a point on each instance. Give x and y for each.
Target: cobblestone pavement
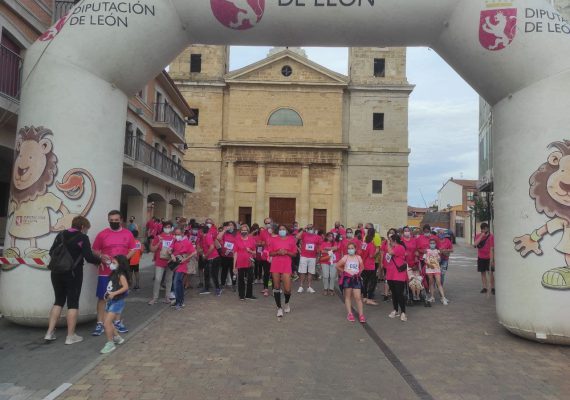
(222, 348)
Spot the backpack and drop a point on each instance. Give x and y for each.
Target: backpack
(61, 261)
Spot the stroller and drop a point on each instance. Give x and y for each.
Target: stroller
(423, 292)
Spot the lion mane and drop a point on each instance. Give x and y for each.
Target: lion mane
(47, 178)
(544, 203)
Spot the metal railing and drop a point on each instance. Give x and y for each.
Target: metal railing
(62, 7)
(10, 73)
(143, 152)
(163, 112)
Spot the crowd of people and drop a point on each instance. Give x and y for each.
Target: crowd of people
(409, 264)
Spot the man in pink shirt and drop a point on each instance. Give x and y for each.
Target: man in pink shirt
(310, 243)
(109, 243)
(485, 244)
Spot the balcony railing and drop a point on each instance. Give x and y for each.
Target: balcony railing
(143, 152)
(62, 7)
(10, 73)
(164, 113)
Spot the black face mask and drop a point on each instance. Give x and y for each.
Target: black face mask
(205, 229)
(244, 234)
(115, 225)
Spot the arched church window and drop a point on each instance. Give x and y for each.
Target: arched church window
(285, 117)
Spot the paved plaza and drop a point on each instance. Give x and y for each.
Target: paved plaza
(218, 348)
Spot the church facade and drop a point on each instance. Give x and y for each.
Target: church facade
(288, 138)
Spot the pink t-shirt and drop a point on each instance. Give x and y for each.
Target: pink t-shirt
(391, 263)
(163, 241)
(113, 243)
(485, 251)
(324, 248)
(241, 250)
(261, 253)
(310, 245)
(411, 245)
(368, 253)
(183, 247)
(445, 244)
(228, 244)
(345, 242)
(277, 243)
(209, 240)
(422, 243)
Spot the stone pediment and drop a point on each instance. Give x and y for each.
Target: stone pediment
(302, 72)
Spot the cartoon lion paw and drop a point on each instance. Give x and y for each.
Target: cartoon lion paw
(525, 245)
(64, 222)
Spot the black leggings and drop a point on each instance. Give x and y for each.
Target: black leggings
(264, 267)
(227, 268)
(67, 288)
(212, 268)
(369, 282)
(245, 281)
(258, 271)
(398, 299)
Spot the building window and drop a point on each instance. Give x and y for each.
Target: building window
(285, 117)
(196, 63)
(470, 196)
(376, 187)
(193, 121)
(378, 122)
(10, 66)
(379, 67)
(287, 71)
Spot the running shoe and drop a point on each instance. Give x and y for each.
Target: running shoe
(178, 308)
(350, 317)
(287, 308)
(172, 296)
(50, 337)
(444, 301)
(362, 319)
(484, 290)
(493, 291)
(99, 329)
(279, 313)
(403, 317)
(242, 298)
(300, 289)
(73, 339)
(431, 299)
(152, 302)
(120, 327)
(265, 292)
(205, 291)
(251, 298)
(394, 314)
(109, 347)
(310, 290)
(218, 292)
(118, 339)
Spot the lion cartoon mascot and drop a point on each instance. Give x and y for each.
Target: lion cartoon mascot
(550, 190)
(34, 172)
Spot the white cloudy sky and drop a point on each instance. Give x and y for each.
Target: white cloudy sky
(443, 116)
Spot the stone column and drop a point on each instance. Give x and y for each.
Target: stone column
(304, 207)
(337, 189)
(230, 192)
(260, 214)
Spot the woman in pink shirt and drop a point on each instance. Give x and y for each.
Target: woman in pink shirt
(281, 249)
(227, 239)
(162, 248)
(369, 278)
(261, 258)
(350, 268)
(244, 259)
(396, 274)
(348, 240)
(383, 252)
(182, 251)
(411, 247)
(328, 251)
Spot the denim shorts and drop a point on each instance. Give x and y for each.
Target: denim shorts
(102, 282)
(353, 282)
(115, 306)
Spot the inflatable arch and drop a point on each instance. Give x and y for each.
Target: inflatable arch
(79, 75)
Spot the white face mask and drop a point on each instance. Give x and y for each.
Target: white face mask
(282, 233)
(209, 225)
(113, 266)
(179, 237)
(352, 251)
(407, 234)
(349, 235)
(167, 230)
(311, 231)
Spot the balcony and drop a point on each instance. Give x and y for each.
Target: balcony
(10, 73)
(149, 161)
(62, 7)
(168, 123)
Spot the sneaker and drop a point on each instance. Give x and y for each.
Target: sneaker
(362, 319)
(484, 290)
(295, 277)
(444, 301)
(50, 337)
(394, 314)
(73, 339)
(109, 347)
(310, 290)
(279, 313)
(431, 299)
(350, 317)
(120, 327)
(242, 298)
(301, 290)
(218, 292)
(493, 291)
(266, 293)
(152, 302)
(99, 329)
(118, 339)
(386, 298)
(172, 296)
(403, 317)
(179, 307)
(204, 291)
(251, 298)
(287, 308)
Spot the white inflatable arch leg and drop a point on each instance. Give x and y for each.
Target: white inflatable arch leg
(515, 54)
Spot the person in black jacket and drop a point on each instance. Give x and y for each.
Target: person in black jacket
(67, 285)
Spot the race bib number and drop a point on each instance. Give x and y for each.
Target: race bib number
(388, 257)
(259, 249)
(167, 243)
(352, 267)
(310, 247)
(229, 245)
(364, 246)
(193, 239)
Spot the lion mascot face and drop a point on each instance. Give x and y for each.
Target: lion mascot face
(35, 165)
(550, 184)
